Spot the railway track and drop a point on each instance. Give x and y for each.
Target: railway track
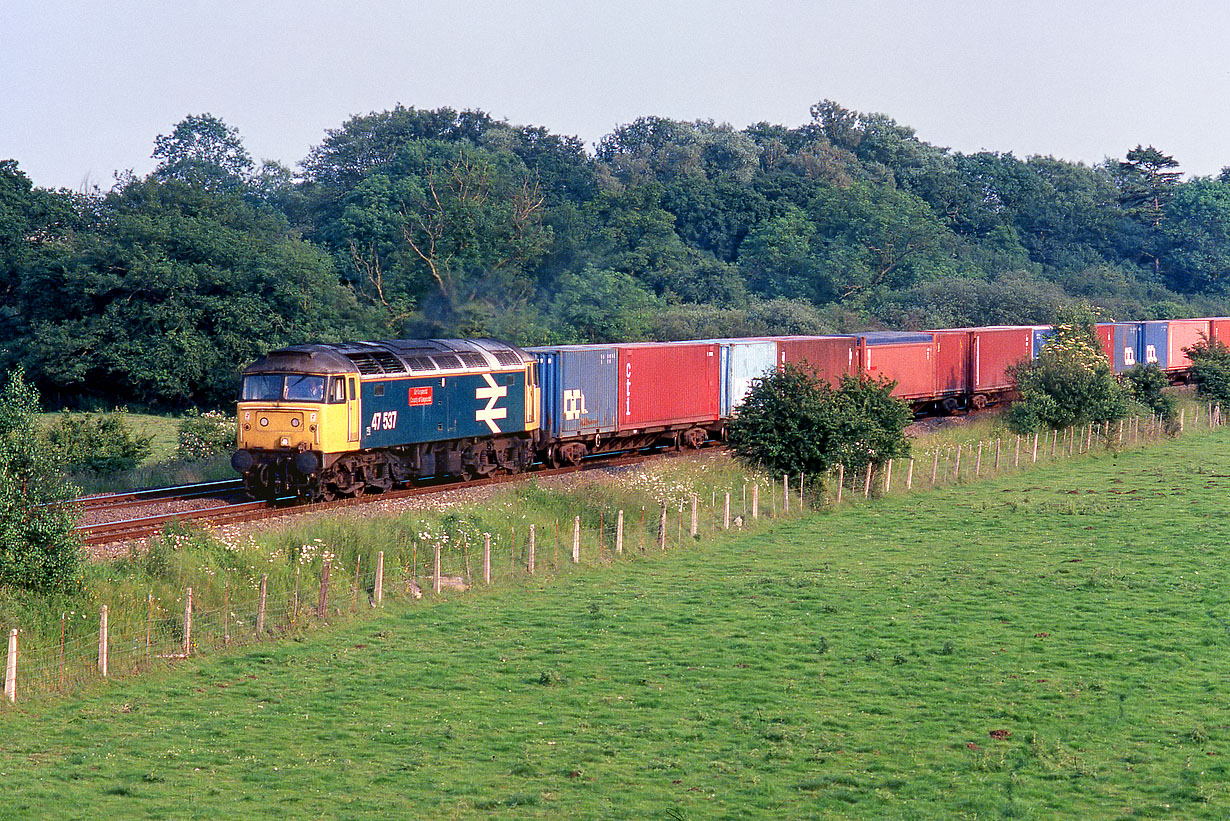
(140, 527)
(139, 498)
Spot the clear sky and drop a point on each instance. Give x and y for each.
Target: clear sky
(86, 87)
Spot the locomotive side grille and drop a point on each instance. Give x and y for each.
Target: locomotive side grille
(446, 361)
(420, 363)
(473, 360)
(507, 358)
(376, 362)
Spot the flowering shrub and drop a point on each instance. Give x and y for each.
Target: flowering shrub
(1070, 382)
(202, 435)
(101, 442)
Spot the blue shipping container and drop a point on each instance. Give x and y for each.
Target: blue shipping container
(1126, 345)
(1041, 334)
(893, 337)
(579, 389)
(1154, 343)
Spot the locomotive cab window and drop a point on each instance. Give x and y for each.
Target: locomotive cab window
(337, 390)
(262, 387)
(303, 388)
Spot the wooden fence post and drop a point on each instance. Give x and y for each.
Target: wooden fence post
(867, 482)
(102, 641)
(435, 575)
(486, 558)
(529, 560)
(378, 592)
(149, 624)
(226, 613)
(956, 471)
(322, 601)
(188, 622)
(619, 533)
(841, 481)
(695, 517)
(260, 605)
(978, 462)
(1182, 419)
(909, 475)
(756, 501)
(935, 466)
(785, 493)
(662, 528)
(726, 512)
(354, 602)
(10, 669)
(1016, 460)
(888, 477)
(998, 442)
(576, 538)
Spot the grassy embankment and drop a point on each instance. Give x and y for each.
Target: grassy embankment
(162, 468)
(1053, 643)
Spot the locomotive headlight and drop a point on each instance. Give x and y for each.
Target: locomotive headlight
(294, 423)
(264, 421)
(285, 442)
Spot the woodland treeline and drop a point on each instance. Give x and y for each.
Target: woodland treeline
(413, 222)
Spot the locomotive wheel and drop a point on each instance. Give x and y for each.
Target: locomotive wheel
(256, 482)
(572, 453)
(694, 438)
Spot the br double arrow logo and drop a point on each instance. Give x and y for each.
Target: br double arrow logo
(492, 393)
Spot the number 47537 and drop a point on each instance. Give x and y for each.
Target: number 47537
(384, 421)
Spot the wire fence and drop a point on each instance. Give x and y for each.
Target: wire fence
(139, 637)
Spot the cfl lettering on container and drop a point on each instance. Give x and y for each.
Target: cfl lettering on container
(628, 390)
(574, 405)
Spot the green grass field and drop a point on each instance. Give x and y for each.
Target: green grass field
(1049, 644)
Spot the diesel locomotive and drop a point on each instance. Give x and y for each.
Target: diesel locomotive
(330, 420)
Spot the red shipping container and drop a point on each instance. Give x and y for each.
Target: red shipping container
(1184, 333)
(994, 350)
(1220, 328)
(829, 357)
(952, 349)
(910, 364)
(666, 383)
(1106, 333)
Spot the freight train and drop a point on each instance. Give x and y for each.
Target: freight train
(330, 420)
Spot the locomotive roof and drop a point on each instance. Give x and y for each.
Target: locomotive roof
(393, 357)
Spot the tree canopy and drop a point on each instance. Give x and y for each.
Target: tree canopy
(444, 222)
